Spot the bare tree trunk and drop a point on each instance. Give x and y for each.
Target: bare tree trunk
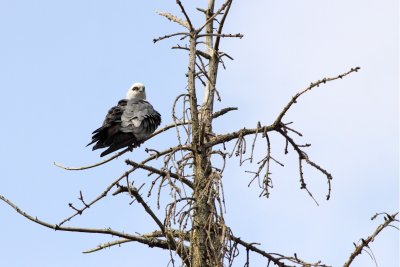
(206, 245)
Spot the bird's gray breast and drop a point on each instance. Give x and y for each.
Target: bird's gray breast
(135, 112)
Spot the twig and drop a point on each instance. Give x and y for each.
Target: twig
(328, 175)
(81, 199)
(107, 245)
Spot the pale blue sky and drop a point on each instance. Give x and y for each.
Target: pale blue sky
(64, 63)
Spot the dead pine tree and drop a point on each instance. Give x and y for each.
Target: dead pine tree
(191, 167)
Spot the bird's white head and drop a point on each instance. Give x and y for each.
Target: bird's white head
(137, 90)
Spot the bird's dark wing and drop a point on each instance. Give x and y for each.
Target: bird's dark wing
(151, 121)
(105, 135)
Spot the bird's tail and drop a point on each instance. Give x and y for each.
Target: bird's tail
(120, 140)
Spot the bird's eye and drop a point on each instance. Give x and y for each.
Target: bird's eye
(144, 88)
(134, 88)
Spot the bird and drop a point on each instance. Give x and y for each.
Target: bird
(128, 124)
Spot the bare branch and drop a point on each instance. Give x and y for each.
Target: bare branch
(221, 25)
(312, 85)
(153, 242)
(185, 34)
(365, 242)
(92, 165)
(227, 137)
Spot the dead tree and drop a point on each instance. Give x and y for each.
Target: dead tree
(191, 168)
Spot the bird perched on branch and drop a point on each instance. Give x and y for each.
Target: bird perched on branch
(128, 124)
